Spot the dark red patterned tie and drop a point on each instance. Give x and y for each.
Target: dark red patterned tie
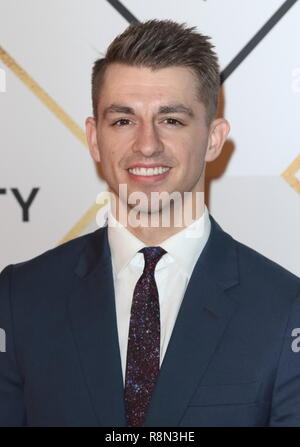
(143, 349)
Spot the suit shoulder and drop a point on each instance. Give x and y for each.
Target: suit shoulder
(54, 260)
(257, 267)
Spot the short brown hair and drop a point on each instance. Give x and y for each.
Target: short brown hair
(159, 44)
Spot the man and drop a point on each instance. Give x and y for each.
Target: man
(152, 325)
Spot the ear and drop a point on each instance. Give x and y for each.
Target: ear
(91, 135)
(219, 130)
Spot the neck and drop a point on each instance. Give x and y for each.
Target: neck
(155, 226)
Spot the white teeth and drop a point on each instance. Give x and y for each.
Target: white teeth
(148, 171)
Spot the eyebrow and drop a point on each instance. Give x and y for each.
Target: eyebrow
(172, 108)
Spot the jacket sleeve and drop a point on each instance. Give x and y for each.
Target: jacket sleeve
(12, 408)
(285, 411)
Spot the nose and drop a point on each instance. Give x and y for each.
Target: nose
(147, 140)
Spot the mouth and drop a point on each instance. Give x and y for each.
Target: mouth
(148, 175)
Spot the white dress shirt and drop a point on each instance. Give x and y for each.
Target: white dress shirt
(172, 274)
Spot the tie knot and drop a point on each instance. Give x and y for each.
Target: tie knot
(152, 255)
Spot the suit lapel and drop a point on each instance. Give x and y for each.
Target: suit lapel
(204, 314)
(93, 322)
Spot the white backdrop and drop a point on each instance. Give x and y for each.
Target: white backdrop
(47, 52)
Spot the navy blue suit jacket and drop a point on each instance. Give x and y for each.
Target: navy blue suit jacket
(230, 360)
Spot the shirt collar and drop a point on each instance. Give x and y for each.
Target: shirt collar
(124, 245)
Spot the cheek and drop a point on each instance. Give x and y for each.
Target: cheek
(191, 153)
(113, 147)
(111, 160)
(108, 153)
(198, 148)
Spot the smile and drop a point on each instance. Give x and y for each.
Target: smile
(148, 171)
(148, 175)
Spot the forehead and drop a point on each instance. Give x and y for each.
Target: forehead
(142, 83)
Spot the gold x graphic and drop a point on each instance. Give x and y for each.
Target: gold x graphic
(65, 119)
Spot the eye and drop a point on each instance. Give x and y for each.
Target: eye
(173, 121)
(121, 122)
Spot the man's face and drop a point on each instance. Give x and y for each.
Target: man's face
(150, 118)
